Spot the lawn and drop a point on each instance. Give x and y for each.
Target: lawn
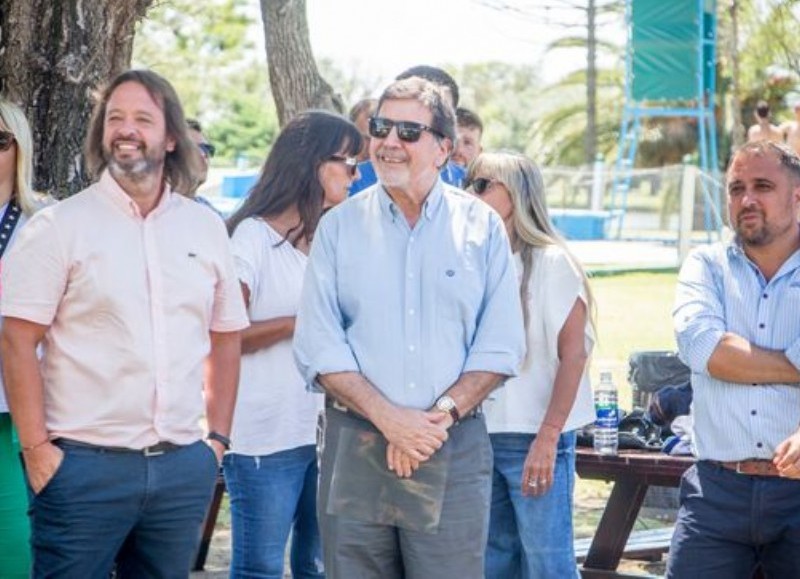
(633, 314)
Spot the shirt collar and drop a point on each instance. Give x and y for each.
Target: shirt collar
(736, 251)
(429, 207)
(113, 191)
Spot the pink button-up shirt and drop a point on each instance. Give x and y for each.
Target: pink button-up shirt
(129, 302)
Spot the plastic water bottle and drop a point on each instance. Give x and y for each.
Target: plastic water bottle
(606, 427)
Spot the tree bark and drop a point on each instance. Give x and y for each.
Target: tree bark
(294, 77)
(53, 54)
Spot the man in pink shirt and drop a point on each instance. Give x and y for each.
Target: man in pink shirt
(130, 288)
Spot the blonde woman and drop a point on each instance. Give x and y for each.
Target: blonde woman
(532, 420)
(17, 202)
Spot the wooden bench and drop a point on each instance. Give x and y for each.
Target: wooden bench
(646, 545)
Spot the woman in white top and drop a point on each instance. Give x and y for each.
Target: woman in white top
(532, 419)
(17, 203)
(271, 471)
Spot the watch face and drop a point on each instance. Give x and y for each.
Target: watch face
(445, 403)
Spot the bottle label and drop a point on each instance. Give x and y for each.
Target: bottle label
(607, 416)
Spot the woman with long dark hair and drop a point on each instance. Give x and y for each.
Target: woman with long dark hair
(271, 471)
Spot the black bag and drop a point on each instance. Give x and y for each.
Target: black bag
(650, 371)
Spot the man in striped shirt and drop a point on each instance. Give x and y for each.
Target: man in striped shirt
(737, 323)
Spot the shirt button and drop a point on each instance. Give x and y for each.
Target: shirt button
(765, 296)
(411, 348)
(410, 275)
(411, 239)
(411, 312)
(412, 385)
(761, 326)
(759, 445)
(753, 413)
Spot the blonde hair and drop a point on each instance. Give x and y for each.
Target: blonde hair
(532, 228)
(12, 118)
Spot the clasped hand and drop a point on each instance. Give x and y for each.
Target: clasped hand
(413, 437)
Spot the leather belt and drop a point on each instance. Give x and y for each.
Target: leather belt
(331, 402)
(155, 450)
(752, 467)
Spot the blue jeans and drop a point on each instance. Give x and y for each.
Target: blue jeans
(98, 499)
(270, 496)
(530, 537)
(728, 523)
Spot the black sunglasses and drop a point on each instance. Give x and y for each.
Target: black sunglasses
(208, 149)
(350, 162)
(479, 185)
(407, 131)
(6, 140)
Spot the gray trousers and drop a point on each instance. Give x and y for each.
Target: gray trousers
(358, 550)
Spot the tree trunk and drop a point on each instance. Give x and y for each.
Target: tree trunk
(738, 132)
(293, 74)
(54, 53)
(590, 137)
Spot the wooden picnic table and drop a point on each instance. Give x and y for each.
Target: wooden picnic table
(632, 472)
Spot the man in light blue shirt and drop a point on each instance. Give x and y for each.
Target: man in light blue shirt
(737, 322)
(410, 316)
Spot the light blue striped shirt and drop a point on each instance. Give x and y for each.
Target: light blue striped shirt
(410, 309)
(720, 290)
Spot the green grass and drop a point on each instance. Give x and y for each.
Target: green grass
(633, 314)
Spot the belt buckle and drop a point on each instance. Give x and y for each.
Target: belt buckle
(739, 467)
(154, 450)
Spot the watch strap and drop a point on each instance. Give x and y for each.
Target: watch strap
(222, 439)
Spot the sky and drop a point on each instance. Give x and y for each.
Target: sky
(384, 37)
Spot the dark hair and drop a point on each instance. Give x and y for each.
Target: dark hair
(435, 75)
(363, 106)
(290, 173)
(468, 119)
(787, 157)
(194, 125)
(182, 164)
(762, 109)
(431, 96)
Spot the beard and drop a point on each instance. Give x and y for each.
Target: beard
(133, 168)
(758, 234)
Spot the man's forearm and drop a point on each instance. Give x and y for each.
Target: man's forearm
(737, 360)
(222, 380)
(357, 393)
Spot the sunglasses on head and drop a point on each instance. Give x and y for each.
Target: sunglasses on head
(350, 162)
(407, 131)
(6, 140)
(207, 149)
(479, 185)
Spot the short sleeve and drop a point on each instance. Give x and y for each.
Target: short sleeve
(35, 272)
(247, 243)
